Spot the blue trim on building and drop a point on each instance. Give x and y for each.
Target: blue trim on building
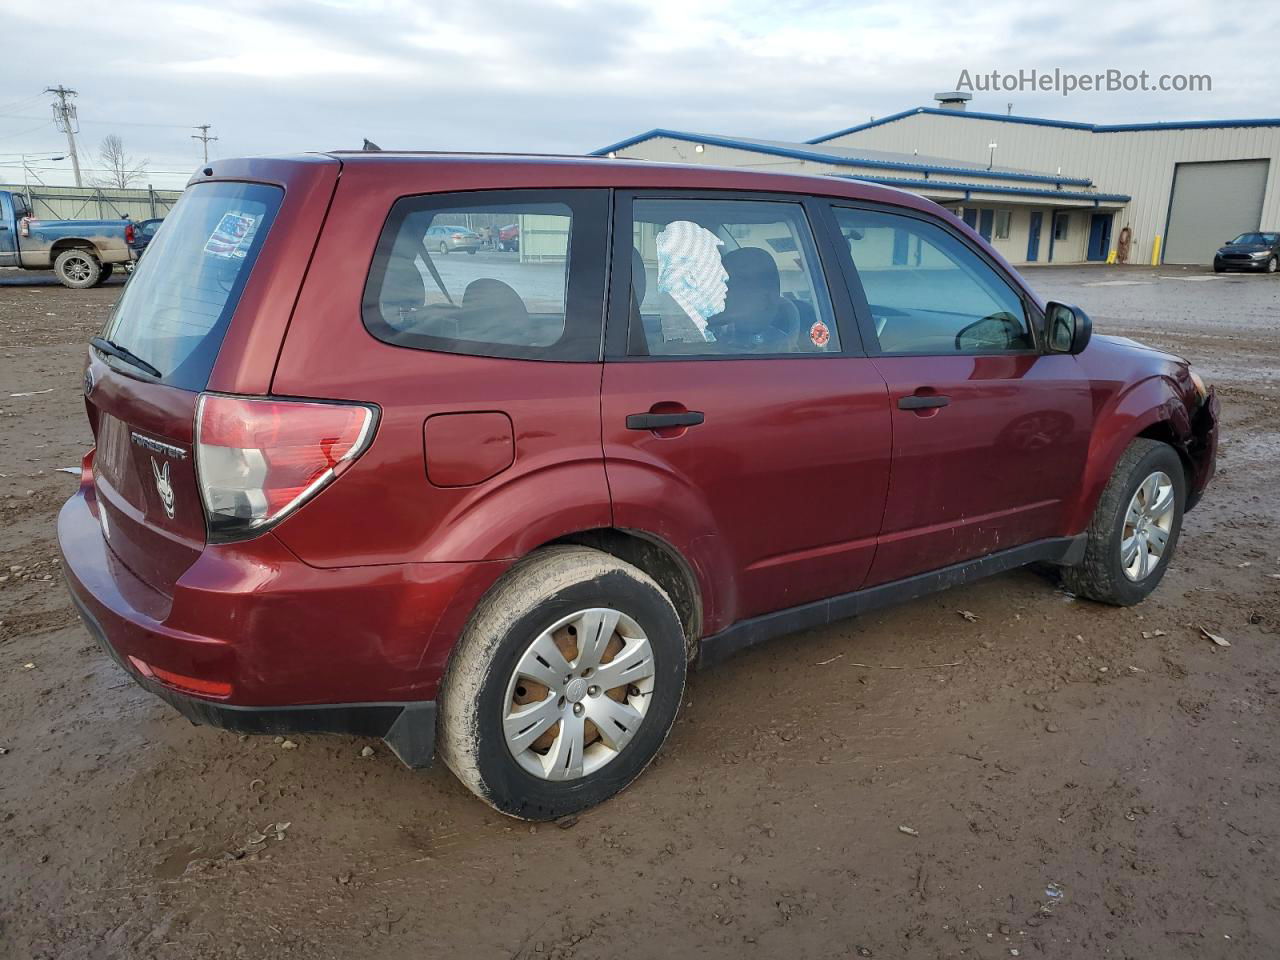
(1063, 124)
(817, 157)
(968, 188)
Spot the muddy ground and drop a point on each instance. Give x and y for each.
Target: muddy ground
(1080, 781)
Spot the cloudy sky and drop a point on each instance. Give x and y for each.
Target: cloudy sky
(573, 75)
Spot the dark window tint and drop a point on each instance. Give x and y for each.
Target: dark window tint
(176, 307)
(928, 292)
(726, 278)
(503, 273)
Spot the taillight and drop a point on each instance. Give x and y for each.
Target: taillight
(128, 234)
(457, 236)
(259, 460)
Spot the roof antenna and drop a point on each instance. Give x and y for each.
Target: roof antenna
(370, 146)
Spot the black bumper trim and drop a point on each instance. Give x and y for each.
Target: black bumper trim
(408, 728)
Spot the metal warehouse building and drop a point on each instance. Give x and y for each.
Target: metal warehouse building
(1039, 190)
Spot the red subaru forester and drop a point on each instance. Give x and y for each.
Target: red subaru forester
(496, 505)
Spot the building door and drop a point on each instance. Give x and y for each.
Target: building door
(1099, 236)
(1211, 203)
(984, 224)
(1033, 237)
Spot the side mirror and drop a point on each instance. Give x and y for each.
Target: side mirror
(1067, 328)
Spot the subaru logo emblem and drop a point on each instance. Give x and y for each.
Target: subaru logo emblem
(88, 381)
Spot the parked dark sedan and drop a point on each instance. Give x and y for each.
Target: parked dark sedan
(1249, 251)
(143, 231)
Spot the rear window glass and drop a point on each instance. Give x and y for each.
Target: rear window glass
(492, 274)
(175, 308)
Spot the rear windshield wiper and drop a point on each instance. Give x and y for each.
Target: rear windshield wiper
(125, 354)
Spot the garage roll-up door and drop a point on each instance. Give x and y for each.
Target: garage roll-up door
(1212, 202)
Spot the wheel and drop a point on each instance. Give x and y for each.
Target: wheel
(564, 685)
(105, 275)
(1135, 527)
(444, 247)
(471, 250)
(77, 268)
(1272, 264)
(1218, 269)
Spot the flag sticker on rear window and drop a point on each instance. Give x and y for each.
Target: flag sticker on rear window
(232, 236)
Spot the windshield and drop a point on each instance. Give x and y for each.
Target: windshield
(177, 305)
(1267, 239)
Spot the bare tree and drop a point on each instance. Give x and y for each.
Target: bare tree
(118, 169)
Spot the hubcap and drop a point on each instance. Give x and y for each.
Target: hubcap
(578, 694)
(1148, 521)
(77, 269)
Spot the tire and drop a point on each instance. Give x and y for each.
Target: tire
(1272, 265)
(105, 275)
(486, 681)
(1218, 269)
(444, 247)
(77, 268)
(471, 250)
(1101, 575)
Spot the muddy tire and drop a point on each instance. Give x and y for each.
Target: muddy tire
(1135, 528)
(77, 268)
(564, 685)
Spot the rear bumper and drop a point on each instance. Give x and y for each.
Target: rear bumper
(409, 729)
(254, 640)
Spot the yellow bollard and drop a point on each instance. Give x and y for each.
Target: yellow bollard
(1111, 257)
(1155, 251)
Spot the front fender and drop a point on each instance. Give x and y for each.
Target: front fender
(1117, 424)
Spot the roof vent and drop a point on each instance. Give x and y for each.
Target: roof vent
(953, 99)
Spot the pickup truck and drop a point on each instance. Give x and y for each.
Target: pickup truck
(81, 253)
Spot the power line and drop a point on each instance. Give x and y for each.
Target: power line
(107, 123)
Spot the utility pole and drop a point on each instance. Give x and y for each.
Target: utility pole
(204, 138)
(65, 119)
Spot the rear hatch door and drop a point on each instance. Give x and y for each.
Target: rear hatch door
(154, 357)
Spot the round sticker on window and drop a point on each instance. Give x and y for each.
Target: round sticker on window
(819, 334)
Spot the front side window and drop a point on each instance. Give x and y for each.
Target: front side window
(441, 280)
(927, 291)
(726, 278)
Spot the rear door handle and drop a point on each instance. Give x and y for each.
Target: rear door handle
(917, 402)
(656, 421)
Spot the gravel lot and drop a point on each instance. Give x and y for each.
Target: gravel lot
(1078, 781)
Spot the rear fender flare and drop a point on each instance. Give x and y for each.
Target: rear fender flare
(547, 504)
(653, 501)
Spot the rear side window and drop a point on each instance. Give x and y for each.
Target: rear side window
(176, 307)
(500, 273)
(726, 278)
(927, 291)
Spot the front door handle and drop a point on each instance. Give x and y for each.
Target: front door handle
(918, 402)
(658, 421)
